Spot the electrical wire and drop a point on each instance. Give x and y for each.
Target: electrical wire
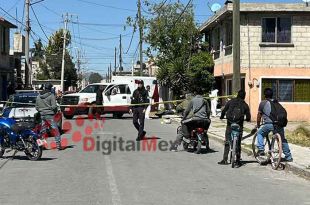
(107, 6)
(183, 11)
(99, 24)
(36, 17)
(12, 7)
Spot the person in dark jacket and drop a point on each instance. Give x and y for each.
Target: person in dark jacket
(140, 96)
(99, 101)
(239, 101)
(47, 107)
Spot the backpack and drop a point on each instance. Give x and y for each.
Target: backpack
(235, 113)
(278, 114)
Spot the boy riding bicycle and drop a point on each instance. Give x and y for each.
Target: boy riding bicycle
(264, 112)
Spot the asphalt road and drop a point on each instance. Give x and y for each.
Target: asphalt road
(82, 174)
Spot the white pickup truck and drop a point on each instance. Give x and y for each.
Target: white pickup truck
(116, 96)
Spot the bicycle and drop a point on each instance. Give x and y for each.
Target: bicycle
(235, 137)
(273, 150)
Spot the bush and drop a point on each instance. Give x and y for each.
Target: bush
(300, 136)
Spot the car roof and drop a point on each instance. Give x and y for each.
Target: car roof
(99, 84)
(27, 94)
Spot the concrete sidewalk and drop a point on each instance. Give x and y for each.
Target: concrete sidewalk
(301, 155)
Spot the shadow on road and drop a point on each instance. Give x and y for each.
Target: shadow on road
(151, 138)
(245, 162)
(24, 158)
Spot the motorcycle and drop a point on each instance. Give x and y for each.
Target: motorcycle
(196, 141)
(19, 136)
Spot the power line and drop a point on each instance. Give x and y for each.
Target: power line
(50, 10)
(133, 33)
(156, 10)
(183, 11)
(107, 6)
(99, 31)
(12, 16)
(100, 24)
(97, 39)
(14, 5)
(35, 15)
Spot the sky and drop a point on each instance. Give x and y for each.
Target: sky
(96, 26)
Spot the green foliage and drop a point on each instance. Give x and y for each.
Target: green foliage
(95, 78)
(200, 72)
(51, 67)
(173, 40)
(38, 53)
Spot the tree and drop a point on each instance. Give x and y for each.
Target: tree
(53, 55)
(173, 38)
(200, 71)
(38, 54)
(95, 78)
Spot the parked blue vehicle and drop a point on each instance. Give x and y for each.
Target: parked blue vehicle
(19, 136)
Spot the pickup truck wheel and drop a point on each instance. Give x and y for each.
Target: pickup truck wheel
(68, 117)
(117, 115)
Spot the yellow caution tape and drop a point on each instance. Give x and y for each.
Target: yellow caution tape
(116, 105)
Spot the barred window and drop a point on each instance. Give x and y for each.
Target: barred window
(288, 90)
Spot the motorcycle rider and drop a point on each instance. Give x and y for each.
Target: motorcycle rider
(230, 108)
(47, 107)
(200, 118)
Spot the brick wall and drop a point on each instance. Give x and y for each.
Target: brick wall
(256, 56)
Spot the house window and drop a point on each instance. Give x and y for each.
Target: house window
(228, 39)
(216, 41)
(229, 90)
(229, 87)
(288, 90)
(276, 30)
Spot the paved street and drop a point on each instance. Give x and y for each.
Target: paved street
(74, 176)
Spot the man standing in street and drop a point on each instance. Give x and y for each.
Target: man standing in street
(235, 110)
(99, 102)
(138, 101)
(47, 107)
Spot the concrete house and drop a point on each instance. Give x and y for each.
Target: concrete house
(6, 61)
(274, 52)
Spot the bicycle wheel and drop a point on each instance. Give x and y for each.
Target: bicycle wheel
(262, 160)
(233, 152)
(275, 152)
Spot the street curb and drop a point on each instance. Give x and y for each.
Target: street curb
(289, 167)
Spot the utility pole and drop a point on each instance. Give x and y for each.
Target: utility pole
(236, 46)
(110, 72)
(141, 36)
(66, 20)
(120, 54)
(108, 75)
(115, 53)
(28, 29)
(79, 67)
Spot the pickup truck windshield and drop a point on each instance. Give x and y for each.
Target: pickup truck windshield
(92, 88)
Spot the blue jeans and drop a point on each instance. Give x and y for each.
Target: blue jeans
(264, 131)
(52, 125)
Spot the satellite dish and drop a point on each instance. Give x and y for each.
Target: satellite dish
(216, 6)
